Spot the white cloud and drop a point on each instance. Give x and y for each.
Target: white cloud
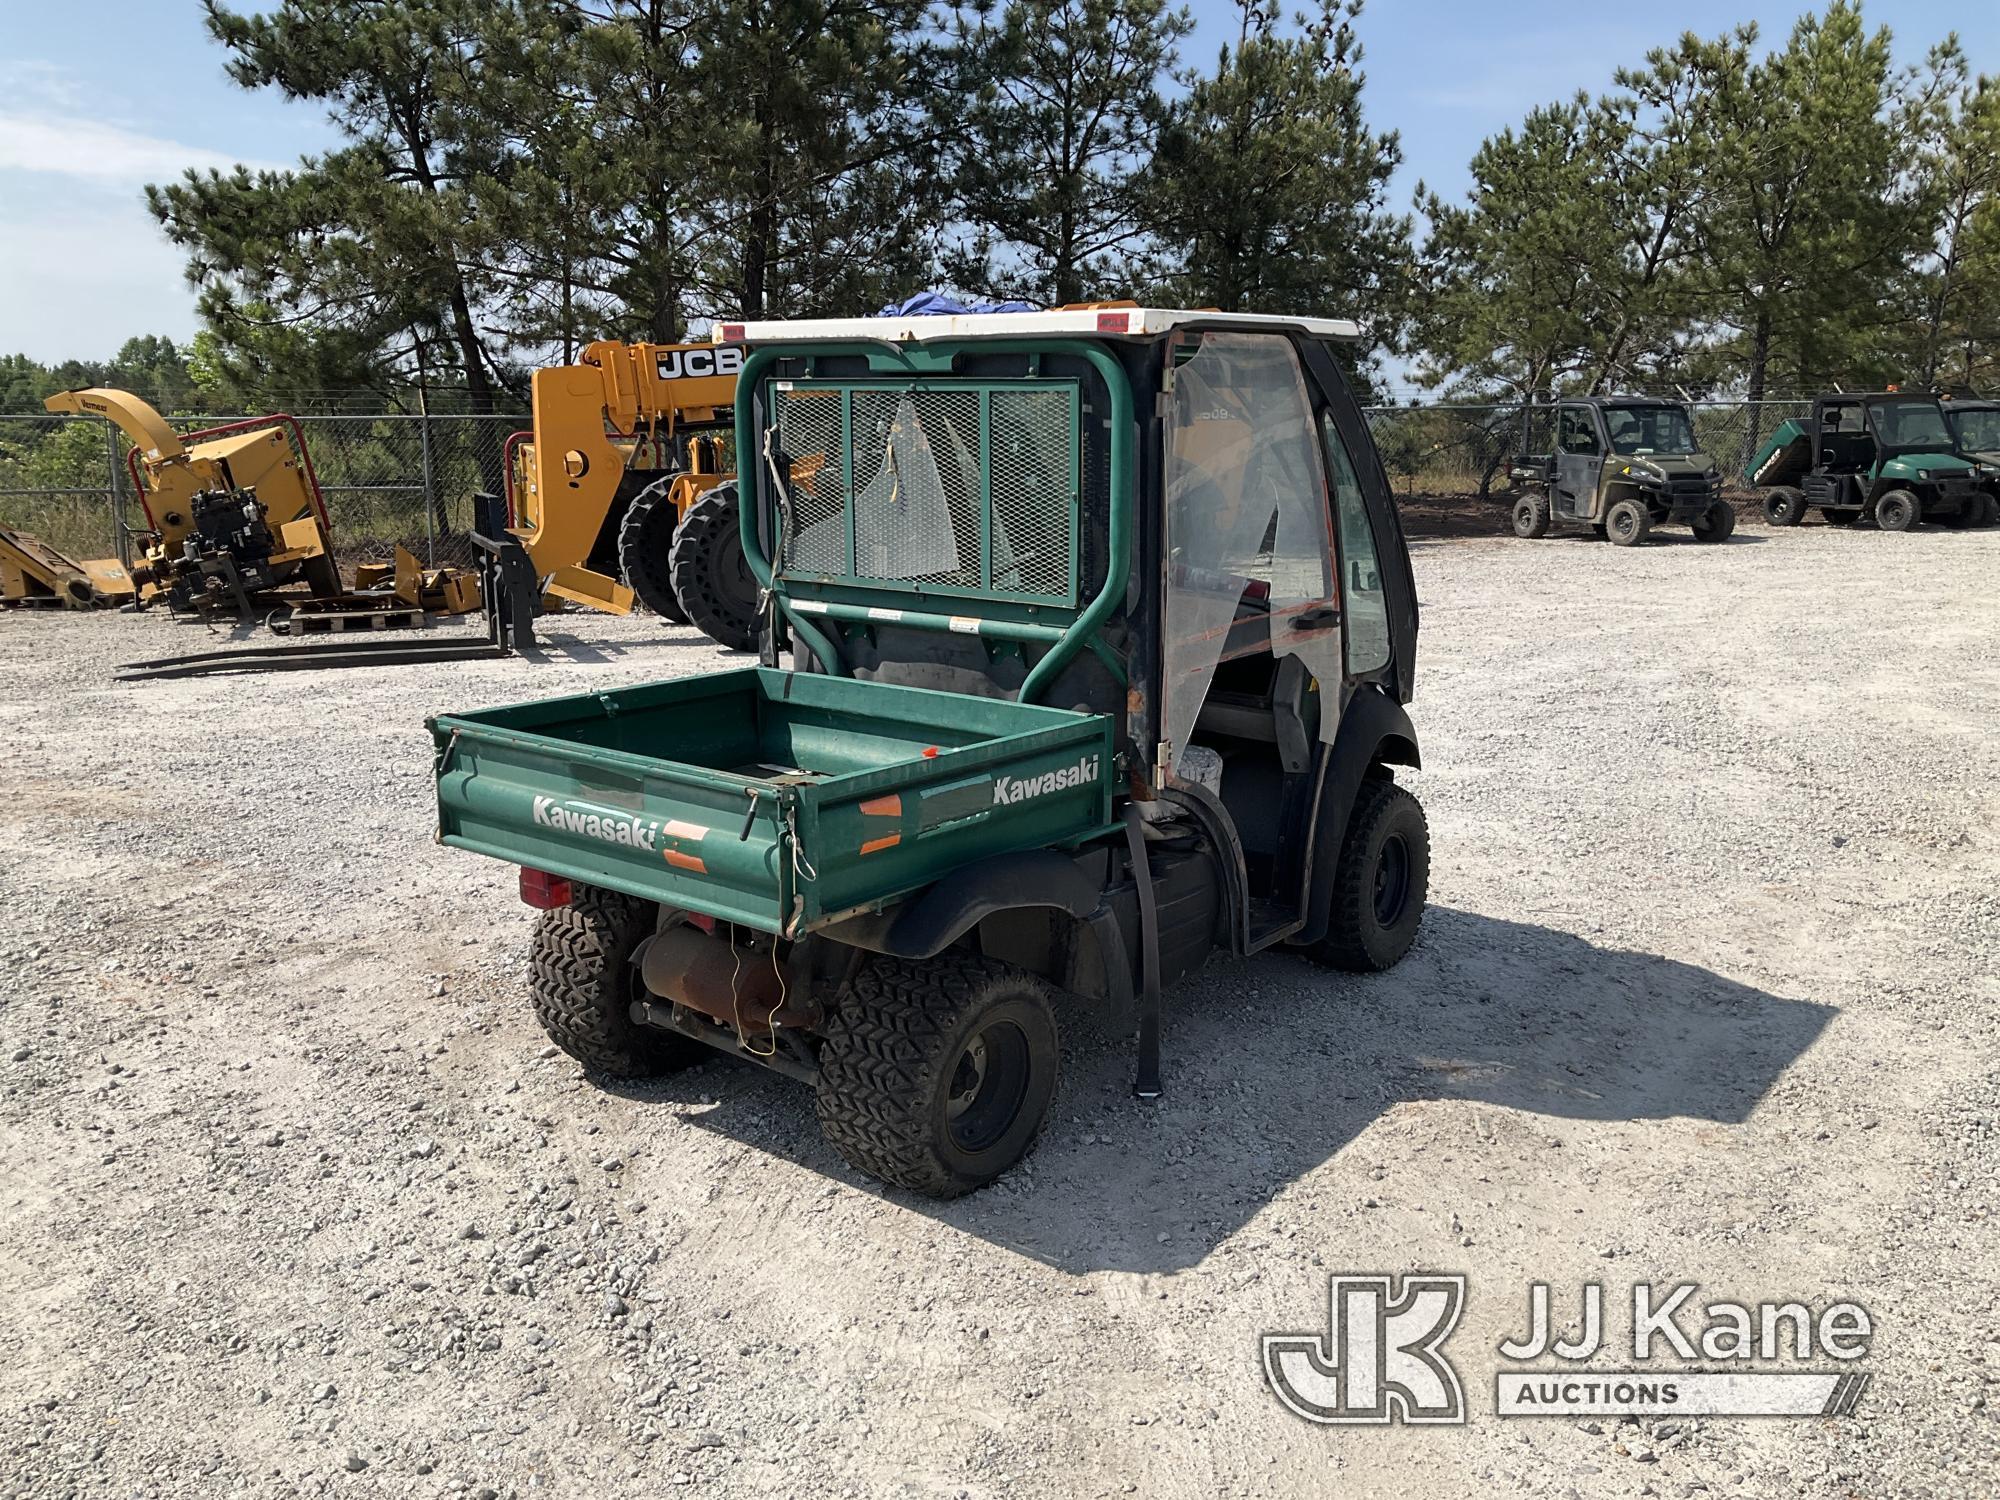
(101, 152)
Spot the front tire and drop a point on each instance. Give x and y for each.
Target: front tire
(936, 1076)
(1784, 506)
(1628, 523)
(582, 984)
(1381, 878)
(645, 546)
(1531, 517)
(1716, 524)
(1898, 510)
(711, 576)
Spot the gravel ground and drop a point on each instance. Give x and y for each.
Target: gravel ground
(296, 1201)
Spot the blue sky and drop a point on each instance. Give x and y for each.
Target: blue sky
(97, 100)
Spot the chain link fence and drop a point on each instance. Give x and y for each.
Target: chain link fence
(401, 479)
(388, 480)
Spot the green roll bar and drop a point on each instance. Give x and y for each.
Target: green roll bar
(933, 359)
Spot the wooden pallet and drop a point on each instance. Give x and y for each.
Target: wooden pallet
(342, 621)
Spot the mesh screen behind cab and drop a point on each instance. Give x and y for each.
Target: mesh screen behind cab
(890, 485)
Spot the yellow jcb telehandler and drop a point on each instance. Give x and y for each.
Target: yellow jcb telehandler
(625, 488)
(235, 511)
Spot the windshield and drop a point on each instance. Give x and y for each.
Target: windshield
(1911, 424)
(1649, 429)
(1978, 431)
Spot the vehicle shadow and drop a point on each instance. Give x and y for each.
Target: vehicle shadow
(1274, 1065)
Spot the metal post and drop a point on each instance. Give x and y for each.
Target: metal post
(113, 491)
(430, 498)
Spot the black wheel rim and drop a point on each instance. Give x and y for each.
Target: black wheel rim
(1623, 525)
(1392, 880)
(988, 1083)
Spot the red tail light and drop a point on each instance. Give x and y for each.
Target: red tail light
(542, 890)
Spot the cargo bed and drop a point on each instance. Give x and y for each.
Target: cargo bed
(775, 799)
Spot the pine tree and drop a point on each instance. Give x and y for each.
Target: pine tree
(1524, 279)
(1065, 104)
(1269, 191)
(819, 157)
(382, 238)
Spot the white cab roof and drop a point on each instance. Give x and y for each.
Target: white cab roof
(1107, 322)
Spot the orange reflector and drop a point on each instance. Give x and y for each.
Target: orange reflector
(890, 806)
(682, 861)
(930, 752)
(542, 890)
(882, 843)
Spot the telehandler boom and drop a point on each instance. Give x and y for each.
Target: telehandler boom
(623, 491)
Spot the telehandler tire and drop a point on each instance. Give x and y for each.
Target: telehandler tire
(711, 577)
(936, 1076)
(1531, 516)
(1716, 524)
(1784, 506)
(1898, 510)
(582, 984)
(645, 542)
(1380, 880)
(1628, 523)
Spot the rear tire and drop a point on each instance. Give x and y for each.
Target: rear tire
(583, 982)
(1716, 524)
(1784, 506)
(711, 577)
(1899, 510)
(1628, 523)
(645, 545)
(936, 1076)
(1531, 517)
(1380, 880)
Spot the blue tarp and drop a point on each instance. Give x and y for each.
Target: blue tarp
(938, 305)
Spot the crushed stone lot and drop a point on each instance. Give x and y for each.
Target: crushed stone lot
(294, 1199)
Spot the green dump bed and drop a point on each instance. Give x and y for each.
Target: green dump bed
(776, 799)
(1784, 458)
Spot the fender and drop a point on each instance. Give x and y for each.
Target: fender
(1375, 729)
(931, 922)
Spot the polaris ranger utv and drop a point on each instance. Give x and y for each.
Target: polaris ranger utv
(1085, 649)
(1622, 466)
(1888, 458)
(1975, 428)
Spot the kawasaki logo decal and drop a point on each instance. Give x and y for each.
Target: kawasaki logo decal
(1007, 790)
(612, 828)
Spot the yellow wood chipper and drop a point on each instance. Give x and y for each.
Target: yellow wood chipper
(234, 511)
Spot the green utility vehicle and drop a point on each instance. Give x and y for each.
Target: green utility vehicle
(1889, 458)
(1975, 427)
(1622, 466)
(1085, 642)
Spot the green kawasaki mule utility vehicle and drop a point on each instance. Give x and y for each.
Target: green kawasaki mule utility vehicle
(1086, 637)
(1887, 458)
(1622, 465)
